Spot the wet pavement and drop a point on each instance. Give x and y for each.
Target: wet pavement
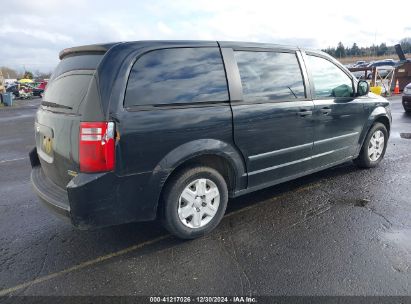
(343, 231)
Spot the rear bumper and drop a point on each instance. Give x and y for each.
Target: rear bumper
(53, 197)
(96, 200)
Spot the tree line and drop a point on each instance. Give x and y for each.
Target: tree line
(340, 51)
(375, 50)
(13, 74)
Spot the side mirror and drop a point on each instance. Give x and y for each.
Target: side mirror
(363, 88)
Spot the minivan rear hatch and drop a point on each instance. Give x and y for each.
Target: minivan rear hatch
(69, 96)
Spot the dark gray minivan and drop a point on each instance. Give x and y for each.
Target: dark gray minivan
(135, 131)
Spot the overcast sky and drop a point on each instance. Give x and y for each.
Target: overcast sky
(33, 32)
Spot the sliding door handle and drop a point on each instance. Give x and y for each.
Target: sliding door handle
(326, 110)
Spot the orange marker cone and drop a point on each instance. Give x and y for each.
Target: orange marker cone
(397, 88)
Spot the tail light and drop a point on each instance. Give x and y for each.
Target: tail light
(96, 146)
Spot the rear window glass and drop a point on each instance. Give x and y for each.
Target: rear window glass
(177, 76)
(70, 81)
(68, 90)
(80, 62)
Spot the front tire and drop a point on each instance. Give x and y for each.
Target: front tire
(373, 149)
(194, 202)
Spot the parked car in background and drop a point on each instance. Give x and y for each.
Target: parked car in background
(23, 91)
(172, 129)
(384, 67)
(406, 98)
(38, 90)
(42, 85)
(360, 64)
(359, 74)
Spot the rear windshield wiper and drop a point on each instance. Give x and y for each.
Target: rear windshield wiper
(55, 105)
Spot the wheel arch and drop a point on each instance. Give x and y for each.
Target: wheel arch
(379, 114)
(385, 121)
(216, 154)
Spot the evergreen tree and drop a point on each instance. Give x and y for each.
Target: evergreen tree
(355, 50)
(406, 44)
(382, 49)
(340, 51)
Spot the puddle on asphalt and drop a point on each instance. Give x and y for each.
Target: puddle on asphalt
(405, 135)
(398, 237)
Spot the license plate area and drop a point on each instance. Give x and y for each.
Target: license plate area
(44, 142)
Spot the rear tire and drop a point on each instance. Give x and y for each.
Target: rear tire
(373, 148)
(194, 202)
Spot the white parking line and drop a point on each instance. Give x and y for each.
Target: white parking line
(82, 265)
(130, 249)
(11, 160)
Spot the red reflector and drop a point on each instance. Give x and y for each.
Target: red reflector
(96, 146)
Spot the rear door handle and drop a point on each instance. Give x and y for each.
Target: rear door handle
(304, 113)
(326, 110)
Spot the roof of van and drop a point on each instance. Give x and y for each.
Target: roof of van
(103, 48)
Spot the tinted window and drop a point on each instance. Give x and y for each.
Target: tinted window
(79, 62)
(270, 76)
(182, 75)
(68, 90)
(329, 80)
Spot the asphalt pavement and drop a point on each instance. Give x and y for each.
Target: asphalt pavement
(343, 231)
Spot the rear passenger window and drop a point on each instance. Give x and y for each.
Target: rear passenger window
(329, 80)
(177, 76)
(270, 76)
